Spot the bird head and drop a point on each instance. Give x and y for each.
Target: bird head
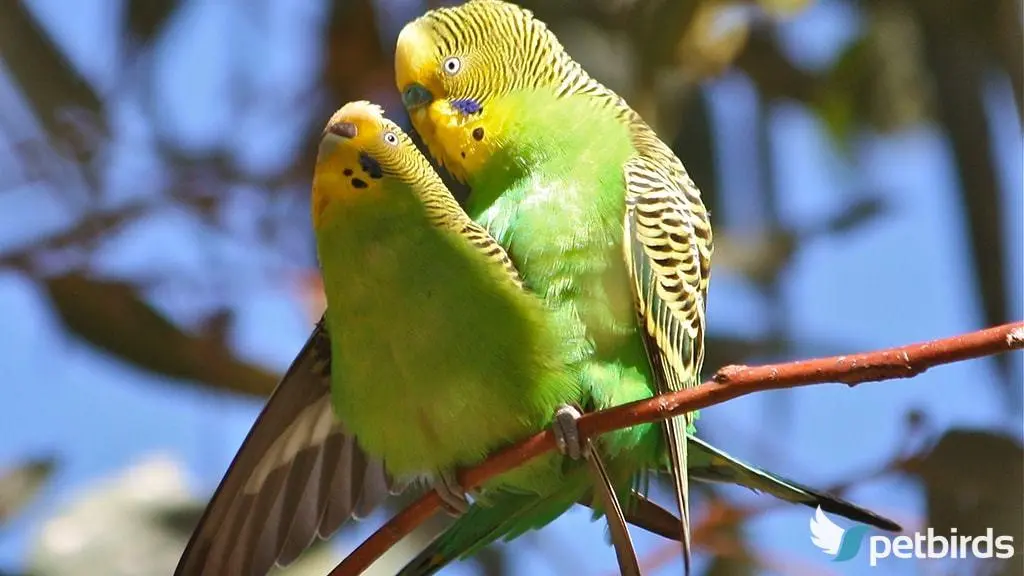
(452, 62)
(360, 151)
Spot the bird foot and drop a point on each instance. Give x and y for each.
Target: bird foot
(453, 496)
(567, 433)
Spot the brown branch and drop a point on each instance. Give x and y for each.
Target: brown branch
(728, 383)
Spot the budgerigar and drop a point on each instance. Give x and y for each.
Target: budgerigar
(436, 356)
(596, 212)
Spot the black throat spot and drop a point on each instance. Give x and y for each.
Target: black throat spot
(370, 166)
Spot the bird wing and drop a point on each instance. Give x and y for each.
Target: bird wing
(486, 244)
(444, 211)
(297, 475)
(663, 249)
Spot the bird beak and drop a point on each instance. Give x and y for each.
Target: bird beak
(416, 96)
(414, 62)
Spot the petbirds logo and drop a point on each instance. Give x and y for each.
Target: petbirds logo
(843, 544)
(833, 540)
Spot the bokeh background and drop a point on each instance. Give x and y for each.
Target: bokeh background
(862, 160)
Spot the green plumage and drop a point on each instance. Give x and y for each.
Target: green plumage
(431, 355)
(438, 355)
(602, 222)
(550, 221)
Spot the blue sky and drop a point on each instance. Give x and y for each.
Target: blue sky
(901, 278)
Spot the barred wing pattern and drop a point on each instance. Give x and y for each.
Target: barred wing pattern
(297, 476)
(665, 263)
(445, 213)
(663, 255)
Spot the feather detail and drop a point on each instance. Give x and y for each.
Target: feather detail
(290, 471)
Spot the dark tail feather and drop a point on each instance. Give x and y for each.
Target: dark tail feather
(624, 551)
(643, 513)
(724, 468)
(849, 510)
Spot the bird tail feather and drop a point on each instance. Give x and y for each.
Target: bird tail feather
(724, 468)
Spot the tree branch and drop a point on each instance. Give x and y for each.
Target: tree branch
(728, 383)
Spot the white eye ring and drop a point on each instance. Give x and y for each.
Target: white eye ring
(391, 138)
(452, 65)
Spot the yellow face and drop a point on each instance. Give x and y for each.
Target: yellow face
(450, 64)
(358, 150)
(461, 142)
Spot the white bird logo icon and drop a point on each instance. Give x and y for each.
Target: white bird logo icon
(826, 534)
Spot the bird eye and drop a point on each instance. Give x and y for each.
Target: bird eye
(452, 65)
(391, 138)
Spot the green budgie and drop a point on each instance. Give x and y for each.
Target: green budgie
(597, 214)
(436, 357)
